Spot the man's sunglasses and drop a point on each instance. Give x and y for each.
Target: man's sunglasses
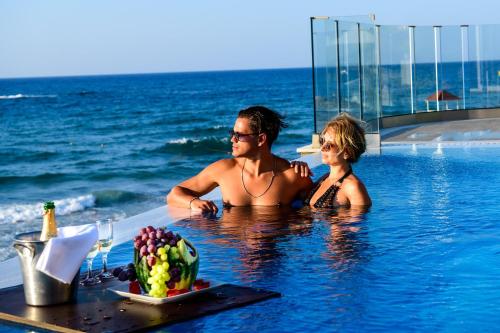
(241, 137)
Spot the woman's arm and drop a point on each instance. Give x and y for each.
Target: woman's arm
(357, 194)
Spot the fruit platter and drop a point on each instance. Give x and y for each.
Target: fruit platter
(164, 268)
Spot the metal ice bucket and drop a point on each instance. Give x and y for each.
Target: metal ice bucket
(39, 288)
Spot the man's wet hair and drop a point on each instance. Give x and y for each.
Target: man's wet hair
(264, 120)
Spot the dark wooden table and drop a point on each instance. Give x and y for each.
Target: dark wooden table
(99, 310)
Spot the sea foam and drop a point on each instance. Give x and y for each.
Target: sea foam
(185, 140)
(30, 212)
(17, 96)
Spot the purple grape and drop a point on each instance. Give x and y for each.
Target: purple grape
(139, 237)
(159, 233)
(123, 276)
(160, 244)
(169, 234)
(117, 271)
(151, 261)
(131, 275)
(145, 237)
(150, 241)
(174, 272)
(142, 231)
(150, 229)
(152, 249)
(143, 251)
(172, 242)
(170, 284)
(176, 279)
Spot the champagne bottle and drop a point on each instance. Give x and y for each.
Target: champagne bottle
(49, 229)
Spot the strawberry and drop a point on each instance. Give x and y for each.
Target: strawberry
(134, 287)
(200, 284)
(172, 292)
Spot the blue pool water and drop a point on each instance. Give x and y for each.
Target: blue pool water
(425, 257)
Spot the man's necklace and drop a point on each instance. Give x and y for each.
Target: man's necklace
(268, 187)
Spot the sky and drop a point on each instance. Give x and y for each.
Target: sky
(76, 37)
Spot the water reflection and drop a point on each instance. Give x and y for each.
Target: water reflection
(260, 234)
(346, 240)
(268, 240)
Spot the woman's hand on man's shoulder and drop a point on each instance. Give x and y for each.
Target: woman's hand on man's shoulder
(301, 168)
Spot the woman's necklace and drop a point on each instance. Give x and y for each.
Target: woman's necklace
(268, 187)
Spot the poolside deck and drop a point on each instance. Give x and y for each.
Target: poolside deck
(470, 130)
(452, 132)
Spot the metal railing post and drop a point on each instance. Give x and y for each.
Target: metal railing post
(464, 36)
(313, 74)
(360, 73)
(339, 103)
(411, 41)
(437, 59)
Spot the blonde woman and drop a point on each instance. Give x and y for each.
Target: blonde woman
(342, 143)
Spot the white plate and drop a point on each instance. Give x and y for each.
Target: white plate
(122, 290)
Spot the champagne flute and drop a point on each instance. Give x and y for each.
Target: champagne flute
(105, 230)
(90, 280)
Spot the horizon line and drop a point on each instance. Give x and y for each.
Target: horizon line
(150, 73)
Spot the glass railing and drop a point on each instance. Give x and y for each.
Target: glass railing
(373, 71)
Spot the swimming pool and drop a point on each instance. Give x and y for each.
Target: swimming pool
(426, 256)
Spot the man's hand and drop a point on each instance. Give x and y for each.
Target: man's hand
(301, 168)
(199, 205)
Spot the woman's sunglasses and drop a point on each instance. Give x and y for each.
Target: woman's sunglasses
(326, 145)
(241, 137)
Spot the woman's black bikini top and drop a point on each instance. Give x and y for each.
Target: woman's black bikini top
(327, 200)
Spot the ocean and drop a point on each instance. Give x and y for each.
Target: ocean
(113, 146)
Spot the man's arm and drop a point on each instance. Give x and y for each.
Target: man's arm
(187, 193)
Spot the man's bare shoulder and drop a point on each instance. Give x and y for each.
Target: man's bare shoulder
(223, 165)
(283, 167)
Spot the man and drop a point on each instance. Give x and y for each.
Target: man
(254, 176)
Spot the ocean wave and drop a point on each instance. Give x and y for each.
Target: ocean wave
(190, 146)
(14, 213)
(22, 156)
(18, 96)
(86, 93)
(36, 179)
(30, 212)
(107, 198)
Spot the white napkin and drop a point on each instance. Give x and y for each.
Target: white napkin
(63, 255)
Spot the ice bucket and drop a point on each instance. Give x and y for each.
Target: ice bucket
(39, 288)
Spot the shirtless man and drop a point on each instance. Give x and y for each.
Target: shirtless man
(253, 177)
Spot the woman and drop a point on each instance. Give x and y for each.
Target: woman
(342, 143)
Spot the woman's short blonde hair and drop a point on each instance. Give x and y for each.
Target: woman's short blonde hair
(349, 136)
